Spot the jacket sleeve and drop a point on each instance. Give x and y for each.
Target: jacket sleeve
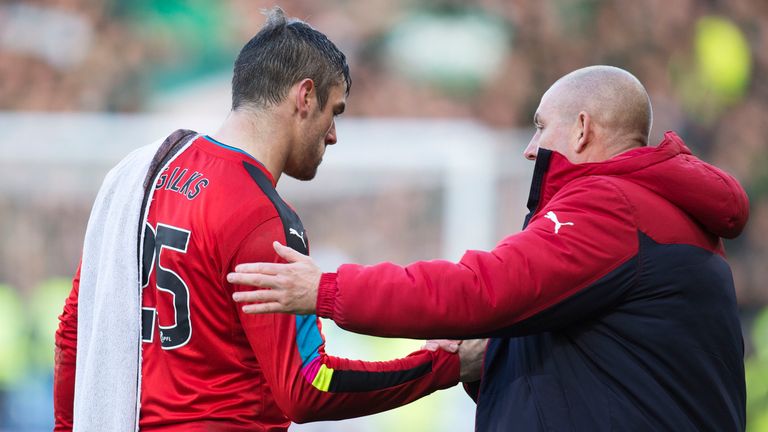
(310, 385)
(532, 281)
(64, 363)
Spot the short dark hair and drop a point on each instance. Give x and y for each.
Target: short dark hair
(283, 52)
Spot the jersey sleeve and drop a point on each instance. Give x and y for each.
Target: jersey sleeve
(310, 385)
(64, 363)
(530, 282)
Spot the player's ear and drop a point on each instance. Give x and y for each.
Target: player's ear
(583, 132)
(305, 96)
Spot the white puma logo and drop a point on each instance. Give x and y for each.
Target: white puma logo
(553, 217)
(301, 236)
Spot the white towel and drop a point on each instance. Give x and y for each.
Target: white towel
(107, 375)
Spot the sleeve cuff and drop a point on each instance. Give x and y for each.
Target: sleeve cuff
(447, 366)
(326, 295)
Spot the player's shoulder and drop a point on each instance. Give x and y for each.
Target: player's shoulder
(239, 192)
(246, 205)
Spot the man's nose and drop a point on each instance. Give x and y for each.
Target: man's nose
(330, 137)
(531, 150)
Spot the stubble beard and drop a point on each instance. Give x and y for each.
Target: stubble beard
(306, 168)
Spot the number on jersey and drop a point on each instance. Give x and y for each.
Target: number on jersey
(171, 240)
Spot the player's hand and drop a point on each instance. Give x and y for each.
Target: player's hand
(451, 346)
(471, 354)
(293, 286)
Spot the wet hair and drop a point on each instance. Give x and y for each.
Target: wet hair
(284, 52)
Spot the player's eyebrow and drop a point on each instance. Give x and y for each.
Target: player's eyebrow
(340, 108)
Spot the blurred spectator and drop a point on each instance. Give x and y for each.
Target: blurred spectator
(66, 55)
(698, 59)
(702, 61)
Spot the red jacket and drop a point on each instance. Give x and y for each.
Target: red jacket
(613, 309)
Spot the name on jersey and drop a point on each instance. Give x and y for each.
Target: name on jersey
(182, 181)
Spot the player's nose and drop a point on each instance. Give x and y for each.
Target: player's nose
(330, 137)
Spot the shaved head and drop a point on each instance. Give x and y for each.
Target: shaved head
(592, 114)
(614, 98)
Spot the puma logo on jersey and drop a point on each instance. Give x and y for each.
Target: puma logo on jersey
(296, 233)
(553, 217)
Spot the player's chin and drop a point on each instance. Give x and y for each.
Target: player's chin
(305, 174)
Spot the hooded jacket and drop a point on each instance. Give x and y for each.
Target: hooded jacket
(613, 309)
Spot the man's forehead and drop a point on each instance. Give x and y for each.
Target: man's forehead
(548, 96)
(337, 98)
(551, 99)
(339, 91)
(542, 109)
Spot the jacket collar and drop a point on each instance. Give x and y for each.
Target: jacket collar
(553, 170)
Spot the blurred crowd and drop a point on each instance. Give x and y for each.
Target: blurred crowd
(704, 63)
(491, 60)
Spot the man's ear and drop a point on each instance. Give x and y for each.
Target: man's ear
(306, 96)
(583, 132)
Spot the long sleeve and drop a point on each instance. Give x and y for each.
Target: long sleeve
(310, 385)
(530, 282)
(66, 353)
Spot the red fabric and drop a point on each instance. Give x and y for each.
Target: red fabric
(537, 268)
(64, 366)
(237, 371)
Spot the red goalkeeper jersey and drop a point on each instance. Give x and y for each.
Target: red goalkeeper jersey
(205, 364)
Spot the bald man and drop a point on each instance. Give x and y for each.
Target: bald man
(613, 309)
(591, 115)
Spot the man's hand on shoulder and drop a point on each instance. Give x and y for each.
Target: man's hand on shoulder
(292, 286)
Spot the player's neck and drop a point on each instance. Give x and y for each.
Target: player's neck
(259, 135)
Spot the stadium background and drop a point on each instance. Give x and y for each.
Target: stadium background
(429, 161)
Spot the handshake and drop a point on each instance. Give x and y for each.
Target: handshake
(471, 354)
